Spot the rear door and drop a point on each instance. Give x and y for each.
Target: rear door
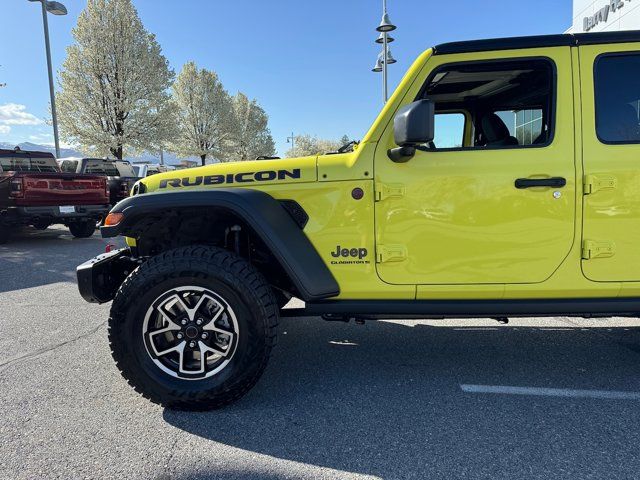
(610, 87)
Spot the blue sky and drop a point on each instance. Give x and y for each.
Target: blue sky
(308, 63)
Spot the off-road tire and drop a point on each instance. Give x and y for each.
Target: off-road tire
(238, 283)
(84, 229)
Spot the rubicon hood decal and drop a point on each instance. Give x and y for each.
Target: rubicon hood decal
(243, 177)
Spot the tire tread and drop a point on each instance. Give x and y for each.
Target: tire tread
(231, 269)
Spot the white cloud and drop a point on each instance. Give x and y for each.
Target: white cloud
(5, 129)
(16, 114)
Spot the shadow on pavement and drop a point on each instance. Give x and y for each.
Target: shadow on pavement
(385, 400)
(241, 473)
(33, 258)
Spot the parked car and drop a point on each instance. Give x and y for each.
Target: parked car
(502, 178)
(120, 173)
(33, 191)
(145, 170)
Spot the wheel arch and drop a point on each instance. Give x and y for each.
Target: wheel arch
(154, 215)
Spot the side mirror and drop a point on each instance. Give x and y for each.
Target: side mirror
(413, 125)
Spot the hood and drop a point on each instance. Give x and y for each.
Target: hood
(252, 173)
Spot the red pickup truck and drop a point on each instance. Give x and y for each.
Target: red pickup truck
(34, 191)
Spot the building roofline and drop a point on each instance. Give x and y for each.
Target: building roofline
(538, 41)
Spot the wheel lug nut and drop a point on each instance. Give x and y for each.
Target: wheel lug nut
(184, 321)
(179, 336)
(199, 321)
(204, 335)
(192, 344)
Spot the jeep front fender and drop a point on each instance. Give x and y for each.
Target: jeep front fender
(260, 211)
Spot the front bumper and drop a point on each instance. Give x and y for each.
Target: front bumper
(100, 277)
(52, 214)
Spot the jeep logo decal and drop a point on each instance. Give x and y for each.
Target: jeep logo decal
(245, 177)
(350, 255)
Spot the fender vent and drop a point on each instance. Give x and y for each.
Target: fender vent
(298, 214)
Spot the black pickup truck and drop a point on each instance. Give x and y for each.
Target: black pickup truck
(33, 191)
(120, 173)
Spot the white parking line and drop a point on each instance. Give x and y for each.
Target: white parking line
(551, 392)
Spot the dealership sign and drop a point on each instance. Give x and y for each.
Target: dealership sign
(602, 15)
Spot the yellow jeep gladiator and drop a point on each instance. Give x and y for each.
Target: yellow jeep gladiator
(501, 179)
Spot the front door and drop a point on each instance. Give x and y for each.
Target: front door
(492, 200)
(611, 157)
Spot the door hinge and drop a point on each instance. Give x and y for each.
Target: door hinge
(591, 249)
(593, 183)
(384, 190)
(390, 253)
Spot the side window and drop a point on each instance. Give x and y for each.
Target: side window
(525, 125)
(617, 89)
(449, 130)
(510, 103)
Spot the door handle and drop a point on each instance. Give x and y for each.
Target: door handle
(553, 182)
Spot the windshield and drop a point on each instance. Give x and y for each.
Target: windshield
(26, 164)
(112, 168)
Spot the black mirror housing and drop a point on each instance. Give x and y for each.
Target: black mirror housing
(414, 124)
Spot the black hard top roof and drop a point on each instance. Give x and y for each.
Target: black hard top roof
(539, 41)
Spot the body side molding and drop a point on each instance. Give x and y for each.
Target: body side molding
(438, 309)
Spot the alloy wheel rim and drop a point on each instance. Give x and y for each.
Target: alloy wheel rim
(190, 332)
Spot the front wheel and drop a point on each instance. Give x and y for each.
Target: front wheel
(83, 229)
(193, 328)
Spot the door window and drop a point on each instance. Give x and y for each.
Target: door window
(510, 103)
(617, 91)
(525, 125)
(449, 130)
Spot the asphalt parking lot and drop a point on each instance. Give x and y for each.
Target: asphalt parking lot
(538, 398)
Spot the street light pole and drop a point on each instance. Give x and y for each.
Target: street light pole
(293, 141)
(385, 58)
(57, 9)
(385, 92)
(385, 42)
(54, 117)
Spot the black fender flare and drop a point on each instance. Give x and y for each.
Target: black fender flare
(263, 213)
